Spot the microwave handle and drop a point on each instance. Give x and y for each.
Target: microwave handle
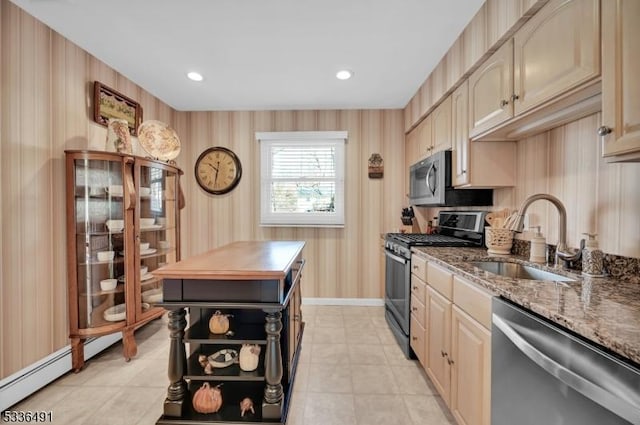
(431, 189)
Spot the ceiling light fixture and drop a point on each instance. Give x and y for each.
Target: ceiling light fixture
(344, 74)
(194, 76)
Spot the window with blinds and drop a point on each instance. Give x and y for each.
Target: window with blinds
(302, 178)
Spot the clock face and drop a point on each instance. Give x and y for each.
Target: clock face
(218, 170)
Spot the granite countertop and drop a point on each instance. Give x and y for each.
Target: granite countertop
(603, 310)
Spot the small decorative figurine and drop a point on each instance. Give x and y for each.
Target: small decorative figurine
(219, 323)
(207, 399)
(246, 405)
(249, 355)
(118, 136)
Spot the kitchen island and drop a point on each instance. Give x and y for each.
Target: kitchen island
(256, 284)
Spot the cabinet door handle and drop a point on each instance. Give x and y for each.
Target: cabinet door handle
(414, 308)
(504, 103)
(514, 97)
(415, 288)
(415, 267)
(604, 130)
(449, 361)
(415, 338)
(443, 353)
(464, 171)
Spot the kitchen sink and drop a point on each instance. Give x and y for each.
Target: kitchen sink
(518, 271)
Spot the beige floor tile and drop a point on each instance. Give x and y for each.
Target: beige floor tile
(413, 379)
(376, 311)
(296, 409)
(325, 335)
(395, 356)
(305, 352)
(116, 375)
(301, 381)
(362, 336)
(329, 321)
(127, 407)
(366, 354)
(386, 336)
(354, 311)
(426, 409)
(329, 353)
(328, 378)
(44, 400)
(151, 415)
(153, 374)
(381, 410)
(329, 409)
(369, 379)
(358, 322)
(329, 310)
(78, 405)
(309, 310)
(380, 322)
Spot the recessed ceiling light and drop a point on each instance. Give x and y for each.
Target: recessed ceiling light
(195, 76)
(344, 74)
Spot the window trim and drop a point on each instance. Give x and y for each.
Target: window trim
(268, 219)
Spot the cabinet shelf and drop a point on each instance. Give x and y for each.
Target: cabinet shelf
(243, 334)
(195, 371)
(232, 394)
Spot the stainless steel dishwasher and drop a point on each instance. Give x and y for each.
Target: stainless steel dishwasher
(542, 374)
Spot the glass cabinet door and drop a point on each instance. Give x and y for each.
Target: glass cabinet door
(157, 214)
(100, 243)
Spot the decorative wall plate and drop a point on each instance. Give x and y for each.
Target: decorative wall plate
(159, 140)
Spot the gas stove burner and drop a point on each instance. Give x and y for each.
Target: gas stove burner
(421, 239)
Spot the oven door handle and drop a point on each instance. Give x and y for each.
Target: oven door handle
(589, 389)
(396, 258)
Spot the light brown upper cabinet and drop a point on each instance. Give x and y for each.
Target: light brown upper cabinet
(553, 55)
(490, 88)
(558, 49)
(477, 164)
(441, 127)
(620, 83)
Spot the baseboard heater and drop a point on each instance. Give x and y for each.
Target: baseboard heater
(27, 381)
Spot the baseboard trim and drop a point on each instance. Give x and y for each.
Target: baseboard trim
(375, 302)
(27, 381)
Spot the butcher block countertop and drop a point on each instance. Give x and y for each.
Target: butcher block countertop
(244, 260)
(603, 310)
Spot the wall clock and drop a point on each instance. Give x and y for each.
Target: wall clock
(218, 170)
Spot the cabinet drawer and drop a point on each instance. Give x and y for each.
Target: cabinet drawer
(419, 267)
(475, 301)
(419, 289)
(418, 340)
(418, 310)
(440, 279)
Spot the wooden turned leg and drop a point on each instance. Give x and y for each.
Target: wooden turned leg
(77, 354)
(273, 394)
(177, 391)
(129, 346)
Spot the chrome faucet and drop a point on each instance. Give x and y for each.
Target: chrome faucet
(561, 248)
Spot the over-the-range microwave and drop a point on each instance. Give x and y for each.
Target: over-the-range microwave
(430, 185)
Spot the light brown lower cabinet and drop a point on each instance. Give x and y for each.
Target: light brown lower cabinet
(439, 342)
(470, 370)
(457, 343)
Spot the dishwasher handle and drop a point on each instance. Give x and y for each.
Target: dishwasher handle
(585, 387)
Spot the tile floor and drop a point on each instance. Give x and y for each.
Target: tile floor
(351, 372)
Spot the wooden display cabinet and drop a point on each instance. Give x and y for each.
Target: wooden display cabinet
(117, 202)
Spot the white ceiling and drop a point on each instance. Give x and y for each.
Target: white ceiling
(265, 54)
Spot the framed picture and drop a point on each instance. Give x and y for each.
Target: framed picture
(108, 103)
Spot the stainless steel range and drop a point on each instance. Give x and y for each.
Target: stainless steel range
(457, 229)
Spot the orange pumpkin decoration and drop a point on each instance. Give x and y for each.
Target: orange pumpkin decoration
(207, 399)
(219, 323)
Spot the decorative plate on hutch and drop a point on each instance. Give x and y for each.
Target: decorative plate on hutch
(159, 140)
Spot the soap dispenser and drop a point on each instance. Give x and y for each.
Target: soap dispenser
(538, 251)
(592, 257)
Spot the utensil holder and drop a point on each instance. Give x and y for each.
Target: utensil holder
(498, 240)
